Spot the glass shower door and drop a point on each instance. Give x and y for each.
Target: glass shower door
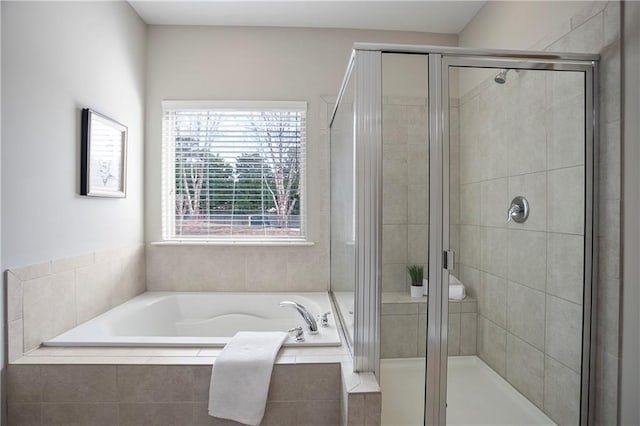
(518, 209)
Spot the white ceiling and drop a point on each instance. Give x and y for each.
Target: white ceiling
(430, 16)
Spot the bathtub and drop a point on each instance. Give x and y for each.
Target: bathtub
(200, 319)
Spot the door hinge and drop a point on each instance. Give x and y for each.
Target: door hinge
(448, 259)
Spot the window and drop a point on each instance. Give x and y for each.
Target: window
(234, 170)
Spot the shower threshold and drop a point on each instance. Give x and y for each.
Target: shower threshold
(476, 395)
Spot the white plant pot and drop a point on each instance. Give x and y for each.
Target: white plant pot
(425, 287)
(416, 291)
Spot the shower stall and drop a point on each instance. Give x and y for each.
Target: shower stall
(476, 167)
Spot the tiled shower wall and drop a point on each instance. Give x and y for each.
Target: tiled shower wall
(525, 138)
(527, 277)
(405, 169)
(405, 177)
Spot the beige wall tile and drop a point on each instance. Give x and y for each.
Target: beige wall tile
(418, 204)
(70, 263)
(15, 339)
(156, 383)
(79, 383)
(267, 271)
(417, 244)
(565, 270)
(525, 314)
(394, 244)
(395, 277)
(20, 414)
(493, 243)
(24, 383)
(14, 297)
(417, 121)
(495, 141)
(80, 414)
(565, 204)
(155, 414)
(373, 409)
(492, 345)
(565, 138)
(305, 382)
(394, 203)
(561, 393)
(280, 413)
(399, 308)
(453, 338)
(32, 271)
(468, 333)
(563, 332)
(470, 246)
(492, 301)
(399, 336)
(527, 258)
(493, 202)
(418, 160)
(394, 125)
(307, 269)
(525, 369)
(527, 149)
(422, 335)
(93, 290)
(318, 413)
(562, 86)
(470, 204)
(395, 165)
(49, 307)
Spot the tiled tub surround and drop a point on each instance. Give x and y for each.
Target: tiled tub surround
(50, 298)
(128, 386)
(160, 394)
(403, 325)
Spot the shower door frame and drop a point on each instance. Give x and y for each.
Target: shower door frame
(436, 390)
(369, 133)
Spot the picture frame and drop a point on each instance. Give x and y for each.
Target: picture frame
(103, 164)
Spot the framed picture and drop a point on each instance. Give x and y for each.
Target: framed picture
(103, 168)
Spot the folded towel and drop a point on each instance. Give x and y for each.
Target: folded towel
(456, 288)
(241, 376)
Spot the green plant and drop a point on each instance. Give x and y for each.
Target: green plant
(416, 272)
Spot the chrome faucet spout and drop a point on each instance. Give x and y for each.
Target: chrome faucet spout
(304, 313)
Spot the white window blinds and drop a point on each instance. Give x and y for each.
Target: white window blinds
(234, 170)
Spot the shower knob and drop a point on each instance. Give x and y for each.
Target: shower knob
(519, 210)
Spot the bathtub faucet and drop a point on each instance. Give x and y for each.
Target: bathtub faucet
(308, 318)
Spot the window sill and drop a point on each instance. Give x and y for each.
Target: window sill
(235, 243)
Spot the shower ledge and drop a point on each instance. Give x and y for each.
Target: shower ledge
(171, 356)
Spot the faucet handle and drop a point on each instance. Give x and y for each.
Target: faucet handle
(324, 321)
(299, 333)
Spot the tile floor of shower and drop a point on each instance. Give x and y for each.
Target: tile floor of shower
(476, 395)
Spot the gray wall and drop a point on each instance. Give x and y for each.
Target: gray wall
(57, 58)
(630, 353)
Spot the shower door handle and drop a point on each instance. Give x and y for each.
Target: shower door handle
(448, 259)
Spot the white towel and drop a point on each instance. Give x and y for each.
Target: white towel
(241, 376)
(456, 288)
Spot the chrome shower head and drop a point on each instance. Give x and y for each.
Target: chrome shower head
(501, 77)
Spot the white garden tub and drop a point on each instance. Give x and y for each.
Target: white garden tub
(200, 319)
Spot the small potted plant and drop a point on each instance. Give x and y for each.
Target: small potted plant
(416, 272)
